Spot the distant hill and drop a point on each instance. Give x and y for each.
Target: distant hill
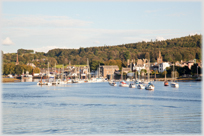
(184, 48)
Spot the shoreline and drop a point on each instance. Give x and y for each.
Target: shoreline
(7, 80)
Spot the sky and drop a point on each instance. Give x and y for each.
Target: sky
(42, 26)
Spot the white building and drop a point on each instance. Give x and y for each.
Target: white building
(31, 64)
(163, 66)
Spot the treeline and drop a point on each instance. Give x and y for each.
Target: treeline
(184, 48)
(10, 68)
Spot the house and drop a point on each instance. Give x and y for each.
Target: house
(163, 66)
(106, 70)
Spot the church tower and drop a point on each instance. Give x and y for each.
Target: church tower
(159, 59)
(17, 59)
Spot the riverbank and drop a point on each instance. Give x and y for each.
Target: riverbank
(5, 80)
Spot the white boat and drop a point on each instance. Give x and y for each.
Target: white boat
(132, 85)
(99, 79)
(59, 82)
(112, 83)
(138, 81)
(149, 86)
(77, 81)
(44, 83)
(173, 83)
(48, 83)
(123, 84)
(140, 86)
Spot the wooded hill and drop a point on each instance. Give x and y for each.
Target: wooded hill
(184, 48)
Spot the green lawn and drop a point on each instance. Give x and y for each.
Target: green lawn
(60, 66)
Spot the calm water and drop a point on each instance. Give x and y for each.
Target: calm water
(98, 108)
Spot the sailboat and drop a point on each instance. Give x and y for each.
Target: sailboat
(45, 83)
(165, 81)
(122, 82)
(149, 86)
(173, 83)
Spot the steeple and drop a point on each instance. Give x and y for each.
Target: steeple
(159, 59)
(17, 59)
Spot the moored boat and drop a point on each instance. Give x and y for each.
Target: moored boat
(149, 86)
(166, 83)
(132, 85)
(174, 84)
(140, 86)
(112, 83)
(123, 84)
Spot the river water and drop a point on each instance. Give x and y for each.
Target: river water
(98, 108)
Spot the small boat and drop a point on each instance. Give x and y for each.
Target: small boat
(174, 84)
(132, 85)
(112, 83)
(166, 83)
(123, 84)
(140, 86)
(149, 86)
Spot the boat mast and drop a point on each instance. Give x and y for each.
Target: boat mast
(63, 73)
(173, 72)
(136, 75)
(165, 75)
(99, 71)
(149, 70)
(48, 71)
(122, 74)
(54, 74)
(88, 68)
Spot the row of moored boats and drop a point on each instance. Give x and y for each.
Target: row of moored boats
(62, 82)
(140, 84)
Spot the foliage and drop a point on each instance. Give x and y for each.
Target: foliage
(10, 68)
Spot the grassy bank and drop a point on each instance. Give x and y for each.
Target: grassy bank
(61, 66)
(5, 80)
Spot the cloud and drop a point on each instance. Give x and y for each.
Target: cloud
(42, 21)
(191, 34)
(160, 38)
(146, 40)
(96, 42)
(7, 41)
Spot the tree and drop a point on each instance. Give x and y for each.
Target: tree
(19, 69)
(95, 64)
(126, 55)
(36, 70)
(198, 55)
(194, 69)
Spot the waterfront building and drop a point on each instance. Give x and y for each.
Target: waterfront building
(108, 70)
(163, 66)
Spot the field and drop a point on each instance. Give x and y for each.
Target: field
(61, 66)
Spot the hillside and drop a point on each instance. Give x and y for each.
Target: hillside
(184, 48)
